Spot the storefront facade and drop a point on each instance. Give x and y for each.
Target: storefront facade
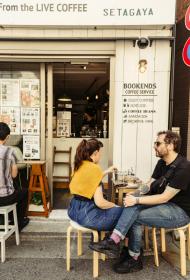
(135, 40)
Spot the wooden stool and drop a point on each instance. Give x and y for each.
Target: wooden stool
(80, 229)
(8, 229)
(38, 183)
(181, 231)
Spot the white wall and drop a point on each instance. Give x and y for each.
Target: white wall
(65, 143)
(133, 142)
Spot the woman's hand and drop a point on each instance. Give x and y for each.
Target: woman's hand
(129, 200)
(110, 170)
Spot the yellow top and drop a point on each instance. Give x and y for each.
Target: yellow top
(86, 179)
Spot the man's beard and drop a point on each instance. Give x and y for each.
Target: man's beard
(158, 154)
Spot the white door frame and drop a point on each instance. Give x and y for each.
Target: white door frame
(49, 147)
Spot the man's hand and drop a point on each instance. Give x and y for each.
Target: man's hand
(129, 200)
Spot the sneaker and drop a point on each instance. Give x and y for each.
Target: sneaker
(129, 265)
(24, 223)
(123, 255)
(107, 247)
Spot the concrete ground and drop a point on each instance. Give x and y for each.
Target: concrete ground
(41, 256)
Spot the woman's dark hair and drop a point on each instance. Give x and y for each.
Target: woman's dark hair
(172, 137)
(4, 130)
(84, 150)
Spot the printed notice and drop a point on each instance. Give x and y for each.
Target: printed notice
(31, 147)
(30, 121)
(11, 116)
(63, 124)
(10, 93)
(30, 92)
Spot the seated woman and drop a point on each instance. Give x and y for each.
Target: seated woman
(88, 207)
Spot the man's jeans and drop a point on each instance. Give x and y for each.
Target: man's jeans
(167, 215)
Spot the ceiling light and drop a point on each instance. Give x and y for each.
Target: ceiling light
(96, 97)
(87, 98)
(64, 97)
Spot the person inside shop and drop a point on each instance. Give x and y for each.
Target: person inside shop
(88, 207)
(89, 119)
(9, 171)
(166, 205)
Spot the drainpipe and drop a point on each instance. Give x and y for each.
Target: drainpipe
(171, 94)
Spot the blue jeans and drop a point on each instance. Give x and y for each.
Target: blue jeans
(167, 215)
(87, 214)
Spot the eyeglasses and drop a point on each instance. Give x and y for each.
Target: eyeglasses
(157, 143)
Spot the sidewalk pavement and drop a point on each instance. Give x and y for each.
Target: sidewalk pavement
(42, 256)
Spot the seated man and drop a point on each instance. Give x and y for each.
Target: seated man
(167, 204)
(8, 171)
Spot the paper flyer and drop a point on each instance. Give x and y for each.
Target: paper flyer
(10, 92)
(30, 121)
(30, 92)
(63, 123)
(31, 147)
(11, 116)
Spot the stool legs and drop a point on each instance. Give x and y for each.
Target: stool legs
(102, 235)
(6, 217)
(3, 251)
(8, 229)
(16, 227)
(68, 251)
(79, 249)
(95, 255)
(181, 232)
(182, 252)
(188, 242)
(146, 238)
(79, 243)
(163, 239)
(155, 247)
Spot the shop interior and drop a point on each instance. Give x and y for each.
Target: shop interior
(80, 108)
(82, 89)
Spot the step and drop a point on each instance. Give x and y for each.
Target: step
(55, 226)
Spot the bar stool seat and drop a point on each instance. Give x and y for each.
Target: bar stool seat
(6, 229)
(80, 229)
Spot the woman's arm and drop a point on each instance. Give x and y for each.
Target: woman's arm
(109, 170)
(100, 201)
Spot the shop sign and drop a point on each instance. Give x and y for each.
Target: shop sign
(138, 102)
(187, 18)
(87, 12)
(186, 52)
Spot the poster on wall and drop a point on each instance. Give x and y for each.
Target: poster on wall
(11, 116)
(10, 93)
(31, 147)
(30, 92)
(30, 121)
(63, 123)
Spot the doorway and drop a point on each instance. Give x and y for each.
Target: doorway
(77, 87)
